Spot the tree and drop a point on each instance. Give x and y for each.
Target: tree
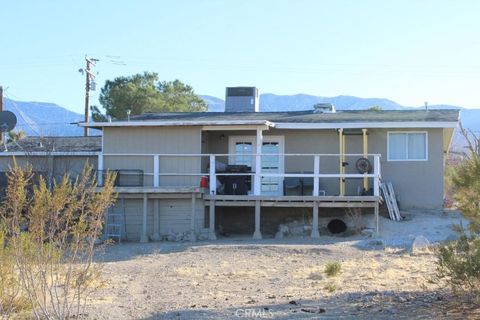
(375, 108)
(145, 93)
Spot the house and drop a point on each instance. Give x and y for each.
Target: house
(204, 173)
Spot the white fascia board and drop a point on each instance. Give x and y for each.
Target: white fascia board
(43, 153)
(366, 125)
(173, 123)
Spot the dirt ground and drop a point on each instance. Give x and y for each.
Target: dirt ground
(240, 278)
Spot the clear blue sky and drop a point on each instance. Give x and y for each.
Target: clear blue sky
(408, 51)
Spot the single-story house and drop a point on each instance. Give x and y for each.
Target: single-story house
(206, 173)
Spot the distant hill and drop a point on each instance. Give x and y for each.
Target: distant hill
(297, 102)
(43, 118)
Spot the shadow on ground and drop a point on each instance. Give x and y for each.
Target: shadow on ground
(131, 250)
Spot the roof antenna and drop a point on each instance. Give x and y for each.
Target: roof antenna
(426, 105)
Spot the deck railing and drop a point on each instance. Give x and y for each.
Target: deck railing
(201, 165)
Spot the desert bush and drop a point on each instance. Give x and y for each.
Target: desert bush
(12, 298)
(459, 261)
(332, 269)
(459, 264)
(51, 235)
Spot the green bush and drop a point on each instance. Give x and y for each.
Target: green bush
(332, 269)
(459, 261)
(459, 264)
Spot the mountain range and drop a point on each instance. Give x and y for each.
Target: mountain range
(43, 118)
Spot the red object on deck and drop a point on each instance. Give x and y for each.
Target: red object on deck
(204, 182)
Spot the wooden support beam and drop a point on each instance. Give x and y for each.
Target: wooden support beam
(376, 179)
(156, 220)
(212, 176)
(211, 231)
(193, 236)
(156, 171)
(144, 236)
(377, 231)
(257, 234)
(315, 233)
(257, 181)
(340, 160)
(100, 170)
(316, 172)
(365, 155)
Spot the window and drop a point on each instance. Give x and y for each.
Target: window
(407, 146)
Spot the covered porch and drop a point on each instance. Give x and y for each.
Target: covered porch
(248, 166)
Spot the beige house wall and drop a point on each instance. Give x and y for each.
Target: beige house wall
(155, 140)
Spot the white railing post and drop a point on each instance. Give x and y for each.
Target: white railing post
(257, 185)
(316, 172)
(376, 178)
(100, 170)
(156, 171)
(213, 176)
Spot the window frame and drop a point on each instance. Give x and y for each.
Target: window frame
(406, 151)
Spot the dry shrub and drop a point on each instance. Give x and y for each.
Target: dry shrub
(12, 298)
(51, 239)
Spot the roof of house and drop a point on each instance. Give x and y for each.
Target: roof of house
(56, 144)
(307, 116)
(437, 118)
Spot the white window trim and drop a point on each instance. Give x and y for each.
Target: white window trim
(403, 160)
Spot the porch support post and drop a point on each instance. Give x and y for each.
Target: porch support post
(156, 171)
(211, 231)
(315, 233)
(316, 172)
(257, 187)
(193, 236)
(144, 237)
(257, 234)
(212, 176)
(376, 178)
(365, 155)
(377, 231)
(340, 161)
(100, 170)
(156, 220)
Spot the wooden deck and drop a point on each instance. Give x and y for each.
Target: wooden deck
(294, 201)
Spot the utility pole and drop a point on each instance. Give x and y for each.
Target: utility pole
(89, 85)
